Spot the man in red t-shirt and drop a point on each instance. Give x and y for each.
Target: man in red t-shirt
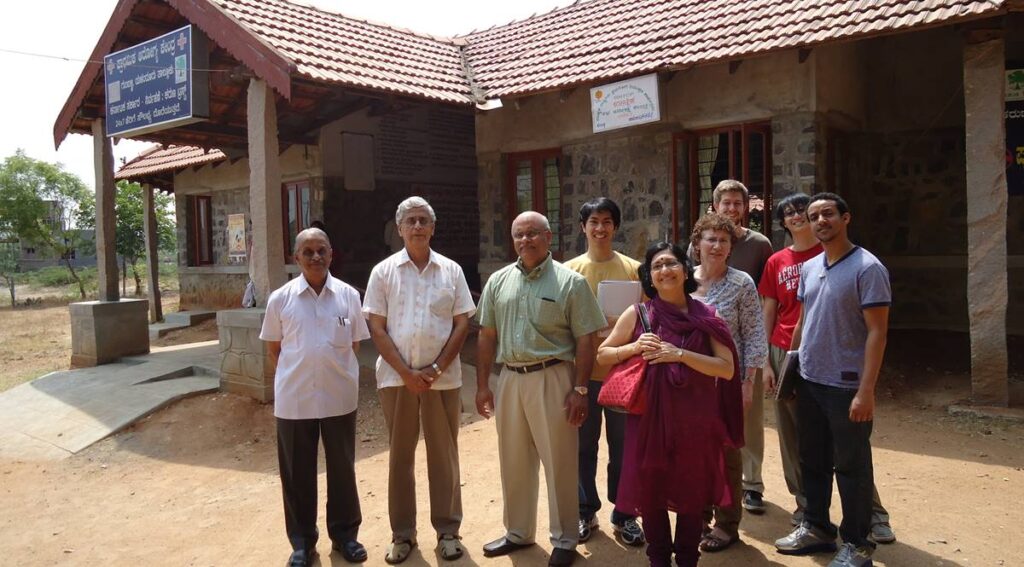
(778, 288)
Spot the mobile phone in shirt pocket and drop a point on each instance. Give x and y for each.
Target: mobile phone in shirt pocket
(341, 335)
(442, 302)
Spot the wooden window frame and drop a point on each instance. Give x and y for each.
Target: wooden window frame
(196, 228)
(539, 198)
(286, 188)
(740, 172)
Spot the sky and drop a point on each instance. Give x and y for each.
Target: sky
(66, 31)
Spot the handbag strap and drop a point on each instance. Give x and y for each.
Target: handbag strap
(645, 321)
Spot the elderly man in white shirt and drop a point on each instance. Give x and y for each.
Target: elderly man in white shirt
(418, 305)
(313, 326)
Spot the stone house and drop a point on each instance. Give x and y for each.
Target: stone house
(905, 108)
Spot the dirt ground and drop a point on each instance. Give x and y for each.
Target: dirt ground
(35, 340)
(196, 484)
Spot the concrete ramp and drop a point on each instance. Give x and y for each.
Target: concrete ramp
(63, 412)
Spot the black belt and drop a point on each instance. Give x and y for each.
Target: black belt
(535, 367)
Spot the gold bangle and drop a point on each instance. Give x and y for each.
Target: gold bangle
(617, 359)
(682, 356)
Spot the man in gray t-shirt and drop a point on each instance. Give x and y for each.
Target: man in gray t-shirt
(844, 319)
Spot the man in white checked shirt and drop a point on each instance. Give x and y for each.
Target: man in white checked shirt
(418, 305)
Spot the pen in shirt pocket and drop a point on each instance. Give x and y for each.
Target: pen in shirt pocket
(342, 321)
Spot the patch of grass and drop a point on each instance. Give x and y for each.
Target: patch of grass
(58, 276)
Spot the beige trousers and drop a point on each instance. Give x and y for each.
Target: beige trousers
(533, 430)
(438, 413)
(753, 437)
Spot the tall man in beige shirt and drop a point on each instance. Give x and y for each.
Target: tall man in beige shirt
(539, 319)
(418, 305)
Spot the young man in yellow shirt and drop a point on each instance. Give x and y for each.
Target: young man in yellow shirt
(599, 220)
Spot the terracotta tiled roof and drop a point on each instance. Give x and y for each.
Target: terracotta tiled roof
(332, 48)
(172, 158)
(600, 39)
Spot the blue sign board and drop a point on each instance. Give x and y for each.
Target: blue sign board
(155, 85)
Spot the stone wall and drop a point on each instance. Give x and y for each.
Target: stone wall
(906, 192)
(211, 288)
(633, 171)
(246, 367)
(798, 160)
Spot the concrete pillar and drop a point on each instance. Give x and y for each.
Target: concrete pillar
(156, 310)
(984, 101)
(106, 253)
(266, 260)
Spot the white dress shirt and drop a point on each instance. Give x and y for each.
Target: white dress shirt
(317, 373)
(420, 308)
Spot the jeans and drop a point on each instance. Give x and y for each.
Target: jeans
(590, 435)
(831, 443)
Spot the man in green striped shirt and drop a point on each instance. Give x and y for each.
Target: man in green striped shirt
(539, 318)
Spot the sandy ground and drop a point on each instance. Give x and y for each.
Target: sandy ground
(196, 484)
(36, 340)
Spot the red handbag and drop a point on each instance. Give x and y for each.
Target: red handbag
(623, 388)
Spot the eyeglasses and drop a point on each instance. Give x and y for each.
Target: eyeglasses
(669, 265)
(530, 235)
(310, 253)
(413, 221)
(793, 212)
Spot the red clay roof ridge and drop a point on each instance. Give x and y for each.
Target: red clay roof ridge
(440, 38)
(533, 16)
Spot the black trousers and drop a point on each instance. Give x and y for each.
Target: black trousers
(590, 436)
(297, 441)
(832, 444)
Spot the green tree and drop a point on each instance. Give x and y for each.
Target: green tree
(9, 252)
(130, 236)
(38, 203)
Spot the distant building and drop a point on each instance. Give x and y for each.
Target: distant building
(35, 255)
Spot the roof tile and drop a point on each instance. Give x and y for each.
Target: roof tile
(160, 159)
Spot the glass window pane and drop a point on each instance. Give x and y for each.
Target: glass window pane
(712, 166)
(756, 180)
(682, 181)
(305, 207)
(553, 200)
(204, 230)
(292, 216)
(524, 186)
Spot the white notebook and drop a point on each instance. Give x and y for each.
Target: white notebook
(615, 296)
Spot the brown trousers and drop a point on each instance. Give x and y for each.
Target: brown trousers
(438, 413)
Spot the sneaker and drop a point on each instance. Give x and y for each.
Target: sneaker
(630, 533)
(882, 533)
(852, 556)
(803, 540)
(753, 502)
(587, 528)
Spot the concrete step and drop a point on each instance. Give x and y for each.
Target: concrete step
(190, 318)
(180, 320)
(157, 330)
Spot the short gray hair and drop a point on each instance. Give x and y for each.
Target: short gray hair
(413, 202)
(302, 236)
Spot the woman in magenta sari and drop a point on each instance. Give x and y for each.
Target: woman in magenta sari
(673, 456)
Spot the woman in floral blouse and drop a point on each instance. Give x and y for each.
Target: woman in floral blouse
(734, 296)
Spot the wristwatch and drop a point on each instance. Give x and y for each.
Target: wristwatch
(436, 368)
(581, 390)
